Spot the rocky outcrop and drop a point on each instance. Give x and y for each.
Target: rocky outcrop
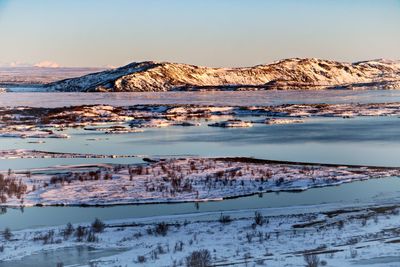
(293, 73)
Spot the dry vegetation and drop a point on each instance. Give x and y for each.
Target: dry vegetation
(11, 187)
(336, 237)
(171, 180)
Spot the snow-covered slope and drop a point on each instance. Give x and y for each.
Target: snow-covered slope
(293, 73)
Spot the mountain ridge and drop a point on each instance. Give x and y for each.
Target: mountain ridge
(293, 73)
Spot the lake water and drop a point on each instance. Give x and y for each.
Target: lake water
(366, 141)
(273, 97)
(79, 255)
(386, 190)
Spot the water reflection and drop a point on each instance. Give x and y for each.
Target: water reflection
(367, 141)
(3, 210)
(81, 255)
(272, 97)
(372, 191)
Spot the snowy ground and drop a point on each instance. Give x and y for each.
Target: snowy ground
(31, 154)
(30, 132)
(354, 235)
(178, 180)
(338, 237)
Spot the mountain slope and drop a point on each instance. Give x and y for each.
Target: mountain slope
(285, 74)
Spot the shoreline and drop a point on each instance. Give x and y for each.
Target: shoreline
(193, 201)
(180, 180)
(314, 226)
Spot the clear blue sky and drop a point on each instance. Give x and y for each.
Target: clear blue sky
(204, 32)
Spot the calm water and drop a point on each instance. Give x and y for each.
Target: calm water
(273, 97)
(368, 141)
(80, 255)
(386, 190)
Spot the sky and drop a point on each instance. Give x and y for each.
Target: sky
(230, 33)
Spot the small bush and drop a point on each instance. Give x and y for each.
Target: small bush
(68, 231)
(7, 235)
(160, 249)
(200, 258)
(353, 253)
(98, 226)
(311, 260)
(249, 237)
(225, 219)
(91, 237)
(161, 229)
(48, 238)
(80, 232)
(258, 218)
(141, 259)
(10, 187)
(178, 246)
(149, 231)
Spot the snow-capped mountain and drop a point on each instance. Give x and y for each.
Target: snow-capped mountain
(296, 73)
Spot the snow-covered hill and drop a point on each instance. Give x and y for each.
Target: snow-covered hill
(296, 73)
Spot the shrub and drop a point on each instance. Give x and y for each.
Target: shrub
(353, 253)
(68, 230)
(149, 231)
(178, 246)
(80, 232)
(200, 258)
(91, 237)
(9, 187)
(7, 235)
(311, 260)
(280, 181)
(48, 238)
(258, 218)
(161, 229)
(160, 249)
(98, 226)
(249, 237)
(141, 259)
(225, 219)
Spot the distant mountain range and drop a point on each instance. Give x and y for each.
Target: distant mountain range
(295, 73)
(40, 75)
